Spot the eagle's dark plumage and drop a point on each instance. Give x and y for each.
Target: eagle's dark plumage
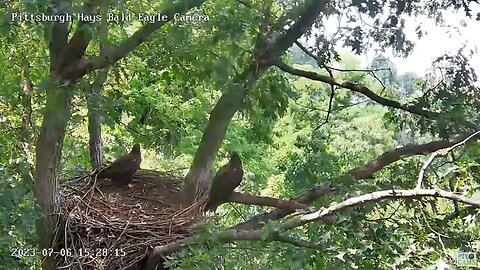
(225, 181)
(121, 170)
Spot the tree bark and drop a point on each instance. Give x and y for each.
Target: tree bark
(94, 120)
(48, 156)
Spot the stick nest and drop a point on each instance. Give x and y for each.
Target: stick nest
(106, 226)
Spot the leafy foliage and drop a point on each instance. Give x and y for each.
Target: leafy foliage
(293, 134)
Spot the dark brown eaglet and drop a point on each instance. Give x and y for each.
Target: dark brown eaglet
(122, 169)
(228, 177)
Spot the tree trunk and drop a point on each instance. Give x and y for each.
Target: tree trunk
(198, 179)
(93, 99)
(94, 120)
(47, 166)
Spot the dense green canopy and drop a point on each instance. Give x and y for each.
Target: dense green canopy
(385, 165)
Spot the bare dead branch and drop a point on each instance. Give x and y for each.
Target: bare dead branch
(421, 174)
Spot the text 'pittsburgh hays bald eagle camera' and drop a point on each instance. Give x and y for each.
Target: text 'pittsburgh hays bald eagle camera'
(225, 181)
(122, 169)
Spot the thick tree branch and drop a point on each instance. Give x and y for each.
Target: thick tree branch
(265, 201)
(81, 38)
(362, 172)
(310, 12)
(288, 17)
(93, 99)
(299, 243)
(72, 53)
(57, 112)
(356, 88)
(377, 197)
(198, 178)
(121, 50)
(58, 34)
(390, 157)
(232, 235)
(79, 41)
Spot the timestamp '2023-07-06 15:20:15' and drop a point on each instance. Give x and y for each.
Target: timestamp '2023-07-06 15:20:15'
(82, 252)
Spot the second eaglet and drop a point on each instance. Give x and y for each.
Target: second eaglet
(122, 169)
(225, 181)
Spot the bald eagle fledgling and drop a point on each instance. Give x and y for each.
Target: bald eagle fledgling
(122, 169)
(225, 181)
